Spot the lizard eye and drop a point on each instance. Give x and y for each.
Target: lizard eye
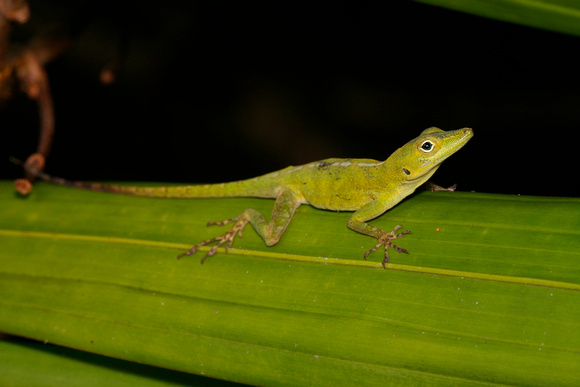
(427, 146)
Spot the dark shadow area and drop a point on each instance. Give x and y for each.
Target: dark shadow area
(63, 358)
(212, 92)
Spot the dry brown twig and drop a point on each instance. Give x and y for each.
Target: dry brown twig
(26, 65)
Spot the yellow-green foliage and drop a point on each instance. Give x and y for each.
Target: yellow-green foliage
(489, 293)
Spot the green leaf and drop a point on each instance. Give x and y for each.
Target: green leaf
(554, 15)
(488, 294)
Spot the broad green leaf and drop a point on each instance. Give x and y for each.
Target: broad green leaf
(490, 291)
(554, 15)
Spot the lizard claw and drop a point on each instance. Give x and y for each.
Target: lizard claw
(227, 238)
(385, 239)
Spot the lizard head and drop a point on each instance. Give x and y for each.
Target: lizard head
(419, 158)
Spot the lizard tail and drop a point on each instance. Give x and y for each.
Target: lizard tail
(238, 188)
(75, 184)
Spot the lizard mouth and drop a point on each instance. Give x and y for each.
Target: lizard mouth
(429, 166)
(454, 147)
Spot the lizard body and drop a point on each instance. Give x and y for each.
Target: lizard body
(367, 187)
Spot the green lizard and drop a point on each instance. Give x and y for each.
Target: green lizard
(367, 187)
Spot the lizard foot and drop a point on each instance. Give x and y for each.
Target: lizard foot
(228, 237)
(385, 239)
(434, 187)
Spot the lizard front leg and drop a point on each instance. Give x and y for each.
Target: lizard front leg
(358, 222)
(271, 232)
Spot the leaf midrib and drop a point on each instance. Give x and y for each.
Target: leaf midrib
(304, 258)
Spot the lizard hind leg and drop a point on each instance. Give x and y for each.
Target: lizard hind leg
(284, 208)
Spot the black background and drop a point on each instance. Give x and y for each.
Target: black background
(212, 92)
